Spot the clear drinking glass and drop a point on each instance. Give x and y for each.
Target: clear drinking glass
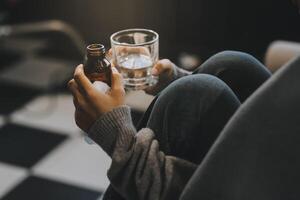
(135, 51)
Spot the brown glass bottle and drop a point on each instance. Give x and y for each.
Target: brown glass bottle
(96, 66)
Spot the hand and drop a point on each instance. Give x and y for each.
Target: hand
(90, 104)
(165, 70)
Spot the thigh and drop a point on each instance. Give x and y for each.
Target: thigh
(187, 117)
(257, 153)
(190, 113)
(240, 71)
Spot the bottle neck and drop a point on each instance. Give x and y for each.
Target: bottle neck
(94, 51)
(95, 56)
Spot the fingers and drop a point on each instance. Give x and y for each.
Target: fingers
(109, 54)
(85, 87)
(132, 50)
(82, 81)
(78, 98)
(117, 81)
(80, 101)
(162, 66)
(110, 57)
(73, 87)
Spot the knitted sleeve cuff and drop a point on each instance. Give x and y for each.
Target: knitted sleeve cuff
(113, 126)
(179, 72)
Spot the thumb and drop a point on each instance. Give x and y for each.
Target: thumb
(109, 56)
(117, 80)
(162, 66)
(81, 79)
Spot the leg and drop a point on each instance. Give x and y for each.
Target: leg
(257, 154)
(237, 69)
(189, 115)
(240, 71)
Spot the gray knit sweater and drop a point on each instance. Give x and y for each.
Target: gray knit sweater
(139, 170)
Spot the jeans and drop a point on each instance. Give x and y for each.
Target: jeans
(256, 156)
(190, 113)
(240, 71)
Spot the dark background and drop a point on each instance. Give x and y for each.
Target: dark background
(41, 65)
(202, 27)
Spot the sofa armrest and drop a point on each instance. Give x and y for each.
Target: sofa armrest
(279, 53)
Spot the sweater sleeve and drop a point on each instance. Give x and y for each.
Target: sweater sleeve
(179, 72)
(139, 170)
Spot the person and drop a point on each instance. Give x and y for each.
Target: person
(181, 148)
(178, 129)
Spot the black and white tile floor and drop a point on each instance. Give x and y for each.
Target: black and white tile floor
(43, 155)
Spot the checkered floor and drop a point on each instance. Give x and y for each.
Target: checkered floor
(43, 155)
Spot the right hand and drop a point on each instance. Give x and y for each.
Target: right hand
(91, 103)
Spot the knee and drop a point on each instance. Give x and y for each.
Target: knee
(234, 55)
(198, 87)
(232, 60)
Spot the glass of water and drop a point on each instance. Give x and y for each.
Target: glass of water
(135, 51)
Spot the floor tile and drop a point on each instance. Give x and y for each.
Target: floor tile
(39, 73)
(8, 58)
(50, 112)
(78, 163)
(10, 176)
(40, 188)
(14, 97)
(24, 146)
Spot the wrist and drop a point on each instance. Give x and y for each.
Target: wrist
(111, 127)
(179, 72)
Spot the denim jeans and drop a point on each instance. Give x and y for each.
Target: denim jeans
(256, 156)
(190, 113)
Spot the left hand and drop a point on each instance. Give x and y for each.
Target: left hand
(90, 103)
(165, 71)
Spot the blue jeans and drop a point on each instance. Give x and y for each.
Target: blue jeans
(190, 113)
